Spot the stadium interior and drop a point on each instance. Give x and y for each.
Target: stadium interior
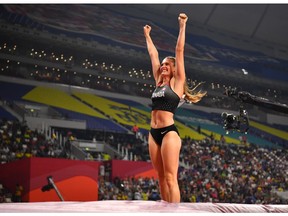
(76, 80)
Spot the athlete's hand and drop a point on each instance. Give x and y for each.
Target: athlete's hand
(147, 30)
(182, 19)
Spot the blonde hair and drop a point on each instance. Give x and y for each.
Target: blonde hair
(191, 95)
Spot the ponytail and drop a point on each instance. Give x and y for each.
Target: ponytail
(191, 95)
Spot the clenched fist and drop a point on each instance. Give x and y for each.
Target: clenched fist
(147, 30)
(182, 18)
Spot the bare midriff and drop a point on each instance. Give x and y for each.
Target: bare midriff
(160, 119)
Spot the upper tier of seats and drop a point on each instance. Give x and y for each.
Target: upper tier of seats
(95, 23)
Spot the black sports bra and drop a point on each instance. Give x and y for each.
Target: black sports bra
(164, 98)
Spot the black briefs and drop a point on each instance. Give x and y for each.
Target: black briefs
(159, 133)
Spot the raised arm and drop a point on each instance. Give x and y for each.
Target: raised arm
(153, 53)
(179, 74)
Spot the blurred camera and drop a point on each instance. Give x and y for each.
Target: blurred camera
(234, 123)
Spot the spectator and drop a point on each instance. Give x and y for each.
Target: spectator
(18, 193)
(135, 129)
(154, 195)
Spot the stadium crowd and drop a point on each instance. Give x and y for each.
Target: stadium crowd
(217, 171)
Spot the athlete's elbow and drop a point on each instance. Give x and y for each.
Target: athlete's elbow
(153, 54)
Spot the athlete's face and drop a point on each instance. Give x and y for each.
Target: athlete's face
(167, 67)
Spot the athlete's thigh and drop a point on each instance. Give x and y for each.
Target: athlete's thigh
(170, 152)
(155, 155)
